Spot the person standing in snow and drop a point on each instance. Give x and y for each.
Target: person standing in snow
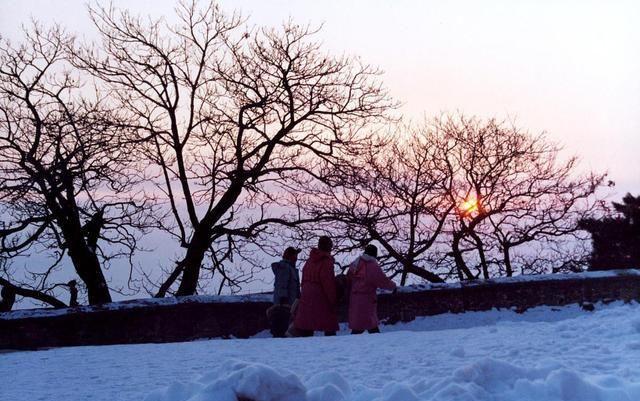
(317, 307)
(365, 277)
(286, 290)
(286, 286)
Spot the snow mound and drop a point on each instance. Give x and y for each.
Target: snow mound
(483, 380)
(327, 386)
(237, 380)
(495, 380)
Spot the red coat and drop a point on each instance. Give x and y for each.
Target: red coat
(317, 309)
(365, 276)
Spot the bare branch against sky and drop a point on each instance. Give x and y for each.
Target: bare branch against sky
(563, 70)
(567, 67)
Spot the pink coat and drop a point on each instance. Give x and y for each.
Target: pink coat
(365, 276)
(317, 309)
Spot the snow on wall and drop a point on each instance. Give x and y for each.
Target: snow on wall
(137, 303)
(189, 318)
(267, 297)
(524, 279)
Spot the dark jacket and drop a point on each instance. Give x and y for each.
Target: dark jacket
(287, 282)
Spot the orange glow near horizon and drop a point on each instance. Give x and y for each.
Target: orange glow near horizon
(469, 205)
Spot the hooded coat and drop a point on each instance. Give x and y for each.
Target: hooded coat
(317, 306)
(365, 277)
(286, 283)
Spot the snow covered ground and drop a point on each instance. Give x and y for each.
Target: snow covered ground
(544, 354)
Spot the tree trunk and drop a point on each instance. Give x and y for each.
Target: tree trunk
(192, 261)
(507, 261)
(461, 266)
(86, 263)
(88, 268)
(162, 291)
(201, 240)
(29, 293)
(483, 258)
(425, 274)
(405, 273)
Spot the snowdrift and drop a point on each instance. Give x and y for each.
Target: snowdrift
(544, 354)
(484, 380)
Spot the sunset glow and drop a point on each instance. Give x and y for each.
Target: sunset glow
(301, 175)
(469, 206)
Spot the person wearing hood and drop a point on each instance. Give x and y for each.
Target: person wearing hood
(365, 276)
(286, 290)
(317, 307)
(286, 286)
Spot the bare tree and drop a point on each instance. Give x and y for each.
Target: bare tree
(456, 196)
(10, 290)
(391, 191)
(63, 175)
(225, 113)
(509, 189)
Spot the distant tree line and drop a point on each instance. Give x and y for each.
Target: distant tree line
(233, 140)
(616, 237)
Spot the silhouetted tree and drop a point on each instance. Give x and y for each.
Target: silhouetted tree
(225, 113)
(8, 295)
(456, 197)
(63, 177)
(616, 238)
(391, 191)
(11, 290)
(509, 188)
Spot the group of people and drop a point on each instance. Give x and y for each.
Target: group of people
(304, 307)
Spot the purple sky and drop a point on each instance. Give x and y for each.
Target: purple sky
(568, 67)
(571, 68)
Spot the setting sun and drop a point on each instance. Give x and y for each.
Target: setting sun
(401, 178)
(469, 206)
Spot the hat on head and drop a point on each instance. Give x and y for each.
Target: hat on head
(325, 243)
(290, 252)
(371, 250)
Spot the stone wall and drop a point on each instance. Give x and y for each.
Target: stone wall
(190, 318)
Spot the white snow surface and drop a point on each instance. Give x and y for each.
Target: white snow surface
(551, 354)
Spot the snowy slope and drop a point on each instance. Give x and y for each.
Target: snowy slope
(543, 354)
